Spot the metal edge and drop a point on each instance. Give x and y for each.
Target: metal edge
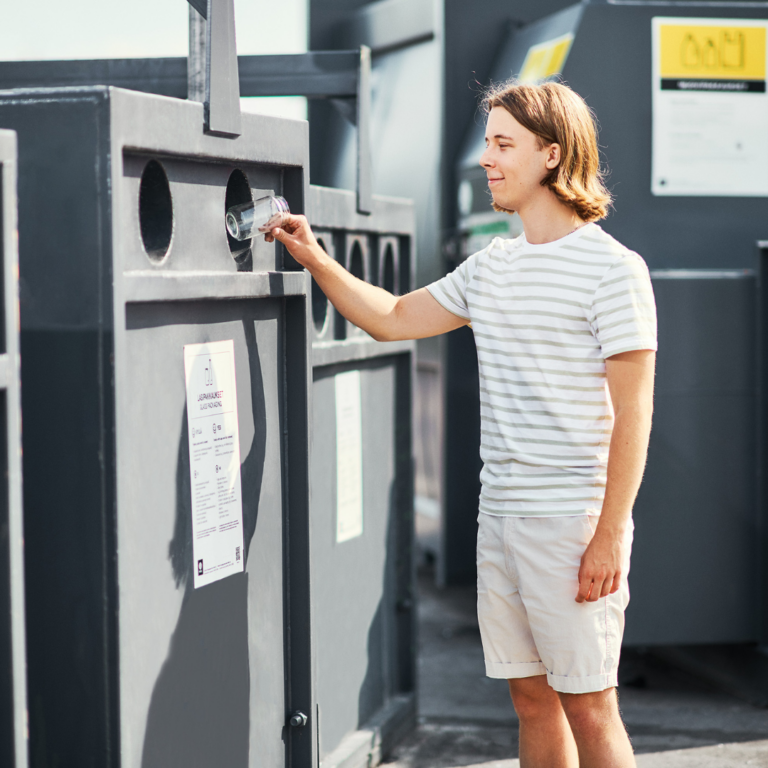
(336, 209)
(11, 383)
(157, 286)
(132, 111)
(361, 348)
(702, 274)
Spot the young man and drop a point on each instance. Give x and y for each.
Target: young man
(565, 326)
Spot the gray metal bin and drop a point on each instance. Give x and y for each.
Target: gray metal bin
(124, 260)
(696, 516)
(13, 701)
(363, 603)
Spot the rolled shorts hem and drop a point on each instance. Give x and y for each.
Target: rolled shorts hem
(587, 684)
(505, 670)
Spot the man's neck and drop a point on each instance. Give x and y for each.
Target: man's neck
(547, 220)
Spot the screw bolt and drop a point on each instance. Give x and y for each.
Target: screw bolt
(298, 719)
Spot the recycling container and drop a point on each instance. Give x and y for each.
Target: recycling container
(363, 614)
(166, 388)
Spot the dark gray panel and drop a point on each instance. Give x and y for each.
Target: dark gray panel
(695, 522)
(358, 663)
(462, 464)
(214, 655)
(695, 515)
(62, 254)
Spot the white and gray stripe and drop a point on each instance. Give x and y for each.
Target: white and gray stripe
(545, 318)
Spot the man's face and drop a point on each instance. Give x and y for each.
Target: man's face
(514, 162)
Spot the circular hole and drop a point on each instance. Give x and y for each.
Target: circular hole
(155, 211)
(356, 261)
(319, 300)
(388, 276)
(238, 192)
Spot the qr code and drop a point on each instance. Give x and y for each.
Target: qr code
(237, 554)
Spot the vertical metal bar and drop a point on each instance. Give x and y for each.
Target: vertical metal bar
(302, 741)
(222, 99)
(762, 441)
(12, 449)
(196, 66)
(364, 169)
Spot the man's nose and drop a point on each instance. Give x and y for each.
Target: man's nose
(485, 159)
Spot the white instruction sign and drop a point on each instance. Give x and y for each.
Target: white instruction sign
(710, 107)
(214, 461)
(349, 457)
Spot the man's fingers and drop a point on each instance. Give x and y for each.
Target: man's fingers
(607, 587)
(585, 587)
(284, 237)
(597, 590)
(616, 583)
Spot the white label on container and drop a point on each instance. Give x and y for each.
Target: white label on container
(214, 461)
(349, 457)
(710, 107)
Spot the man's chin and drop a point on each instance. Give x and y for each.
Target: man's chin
(502, 206)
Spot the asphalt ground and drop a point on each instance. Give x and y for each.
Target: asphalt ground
(466, 719)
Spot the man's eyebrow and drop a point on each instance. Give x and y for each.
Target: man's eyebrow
(501, 136)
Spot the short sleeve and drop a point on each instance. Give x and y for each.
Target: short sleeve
(451, 291)
(623, 308)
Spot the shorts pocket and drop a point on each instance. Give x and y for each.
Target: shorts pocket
(588, 525)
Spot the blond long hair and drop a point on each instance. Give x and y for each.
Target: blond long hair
(558, 115)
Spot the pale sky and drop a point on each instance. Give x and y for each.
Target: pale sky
(104, 29)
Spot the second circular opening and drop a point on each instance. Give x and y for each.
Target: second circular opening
(238, 192)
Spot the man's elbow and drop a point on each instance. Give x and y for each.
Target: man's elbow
(382, 334)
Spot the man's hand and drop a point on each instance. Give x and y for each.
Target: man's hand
(630, 381)
(297, 236)
(384, 316)
(600, 573)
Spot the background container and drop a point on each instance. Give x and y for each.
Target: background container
(13, 700)
(363, 599)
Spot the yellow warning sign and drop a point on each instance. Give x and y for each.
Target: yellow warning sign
(712, 52)
(546, 59)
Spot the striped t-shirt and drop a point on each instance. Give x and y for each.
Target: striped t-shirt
(545, 317)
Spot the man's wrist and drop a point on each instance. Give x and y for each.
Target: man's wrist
(612, 525)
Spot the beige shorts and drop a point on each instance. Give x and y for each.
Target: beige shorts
(530, 622)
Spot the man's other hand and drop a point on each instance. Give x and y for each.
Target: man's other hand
(600, 573)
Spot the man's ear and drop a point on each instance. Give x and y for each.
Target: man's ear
(554, 155)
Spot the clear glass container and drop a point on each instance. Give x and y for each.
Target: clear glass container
(257, 218)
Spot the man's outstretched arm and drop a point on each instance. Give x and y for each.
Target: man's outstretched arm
(384, 316)
(630, 382)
